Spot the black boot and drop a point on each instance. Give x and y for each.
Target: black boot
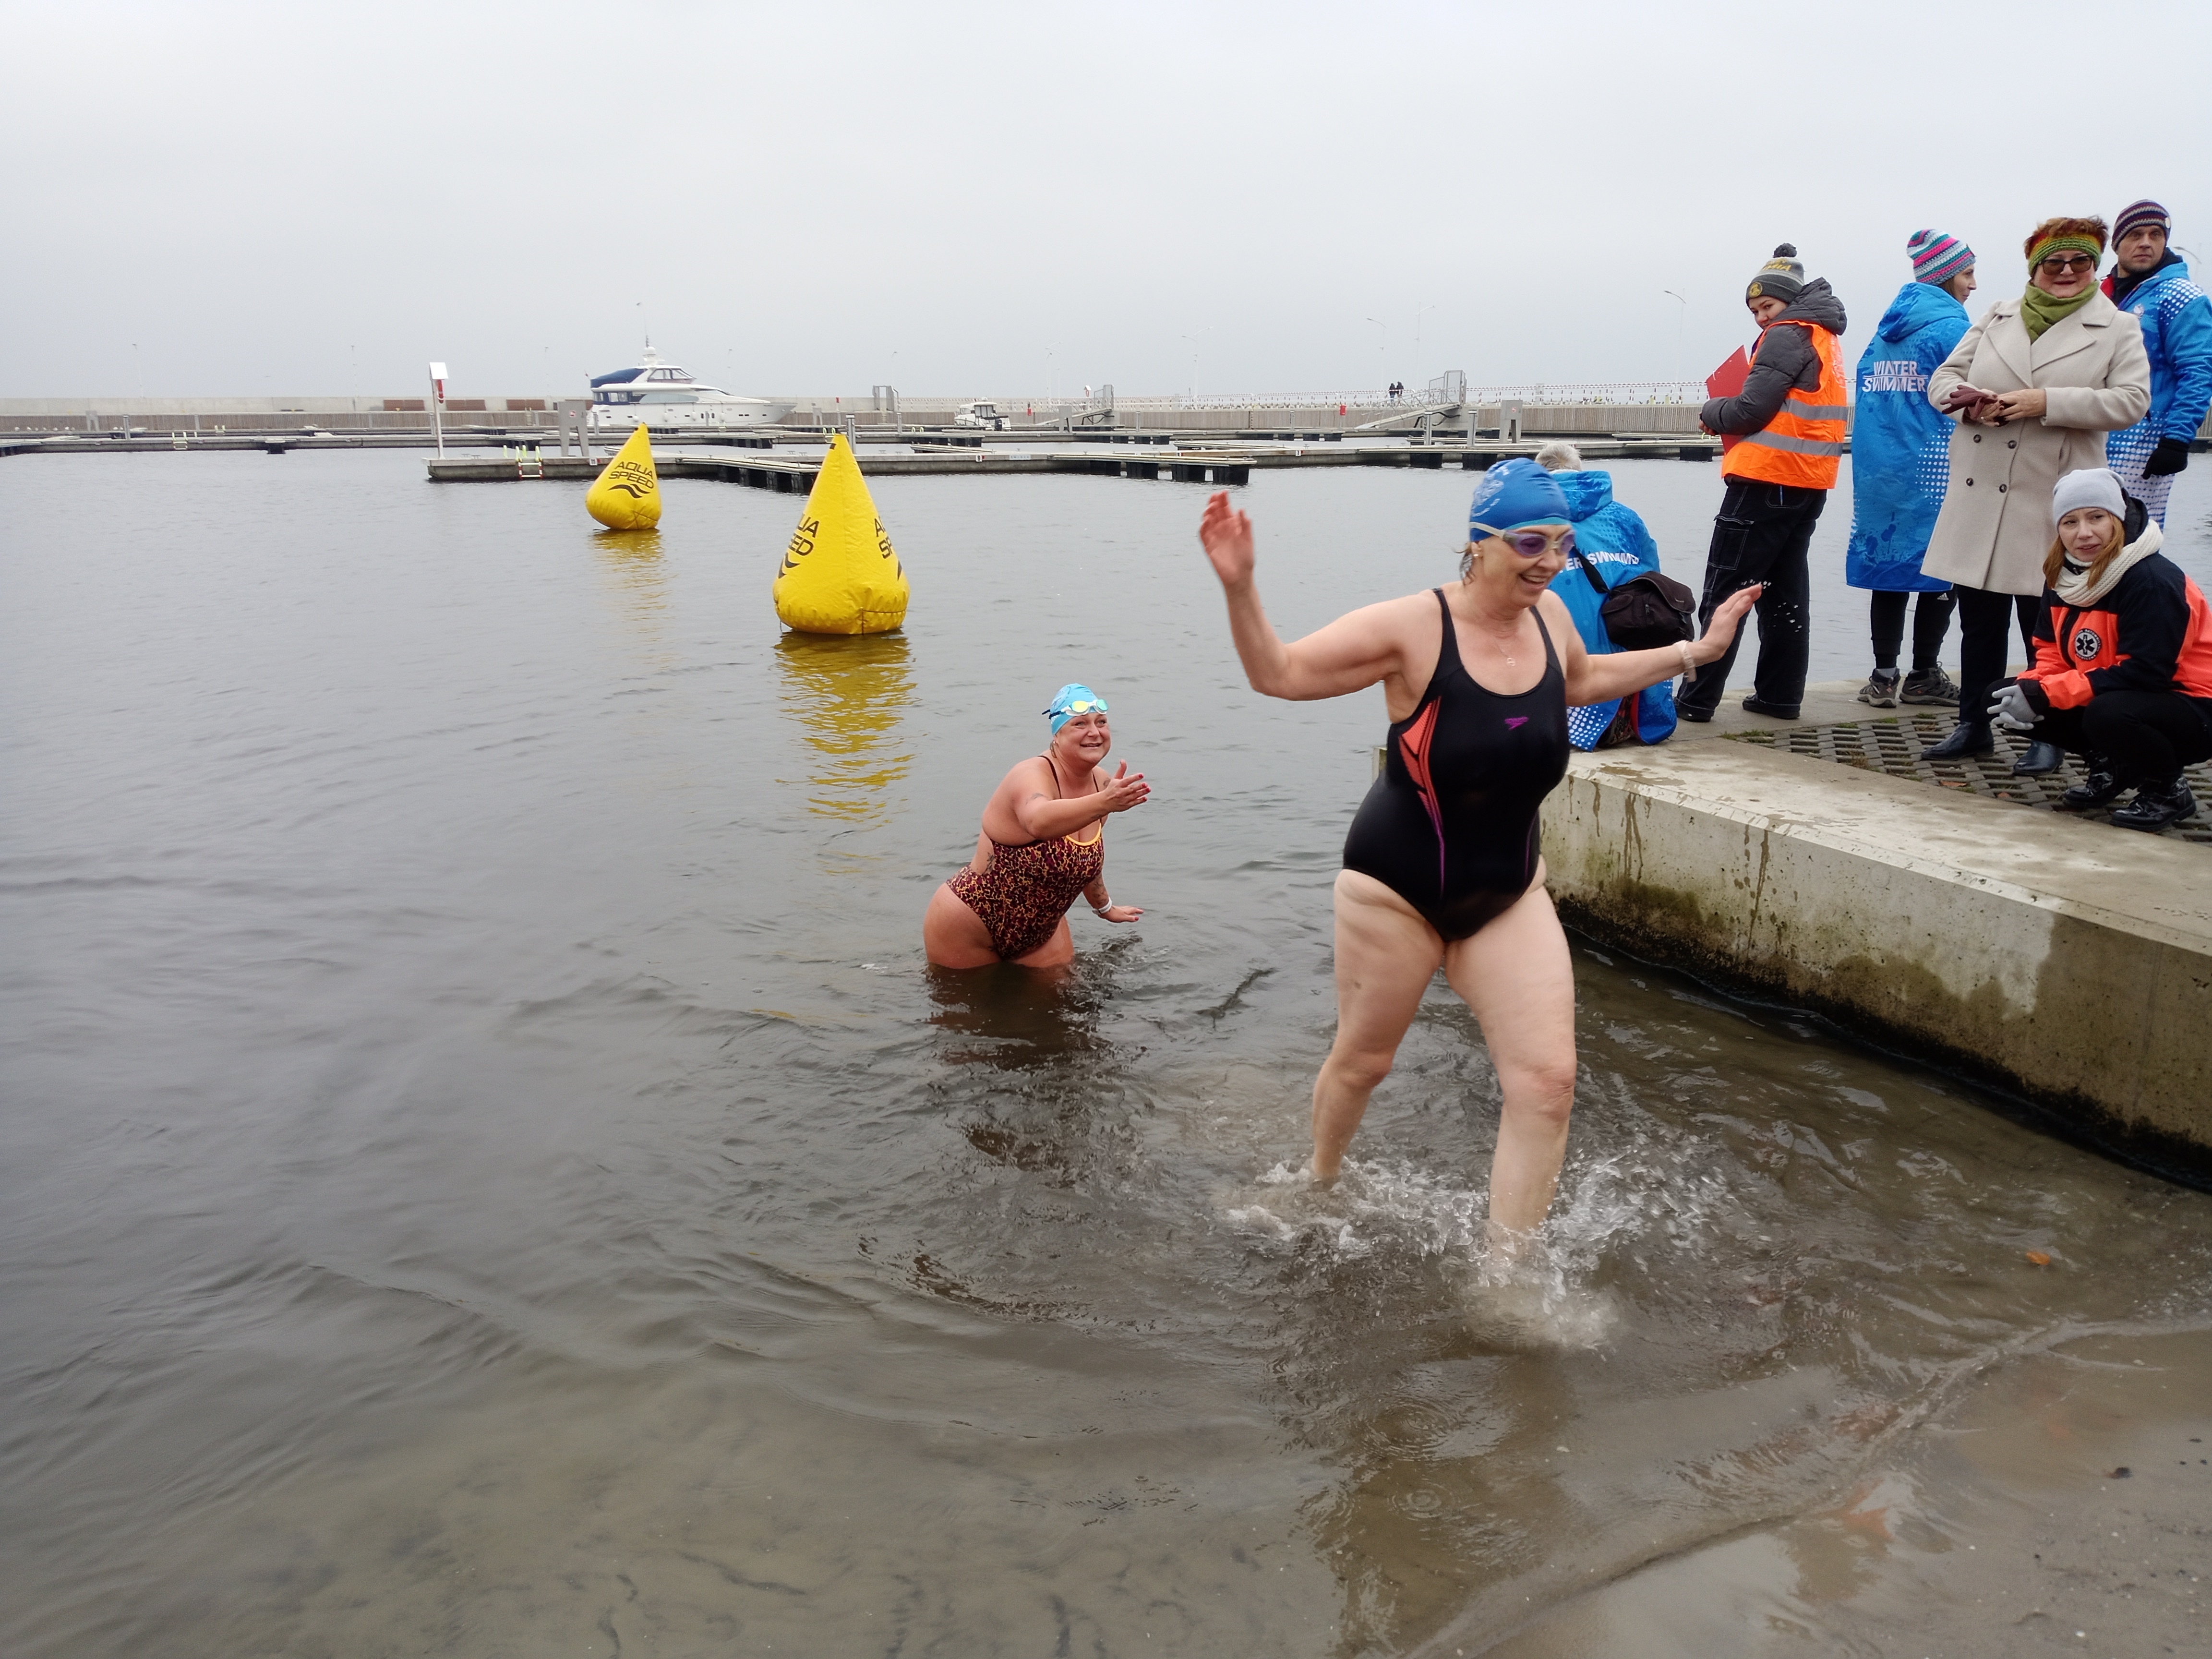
(2102, 783)
(1967, 738)
(2157, 804)
(2041, 757)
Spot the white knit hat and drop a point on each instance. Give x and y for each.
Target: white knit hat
(2093, 486)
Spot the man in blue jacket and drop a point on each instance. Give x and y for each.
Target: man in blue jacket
(1900, 465)
(1614, 542)
(2149, 279)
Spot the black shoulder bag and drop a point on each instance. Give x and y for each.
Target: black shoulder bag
(1646, 611)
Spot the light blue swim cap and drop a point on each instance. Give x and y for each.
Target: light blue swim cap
(1071, 700)
(1514, 495)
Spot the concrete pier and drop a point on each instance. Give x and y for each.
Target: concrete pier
(2066, 962)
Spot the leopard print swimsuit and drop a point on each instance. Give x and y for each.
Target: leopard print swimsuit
(1029, 887)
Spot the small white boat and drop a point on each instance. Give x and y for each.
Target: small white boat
(661, 396)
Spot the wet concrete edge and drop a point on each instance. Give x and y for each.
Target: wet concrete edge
(2122, 1065)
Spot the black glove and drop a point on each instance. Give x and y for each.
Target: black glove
(2169, 457)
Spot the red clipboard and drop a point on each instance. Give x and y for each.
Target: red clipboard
(1725, 382)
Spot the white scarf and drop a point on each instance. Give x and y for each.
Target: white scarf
(2073, 585)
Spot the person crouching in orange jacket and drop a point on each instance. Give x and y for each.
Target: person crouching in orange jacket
(2122, 673)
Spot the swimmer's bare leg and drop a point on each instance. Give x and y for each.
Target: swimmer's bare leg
(1386, 955)
(1517, 978)
(1058, 951)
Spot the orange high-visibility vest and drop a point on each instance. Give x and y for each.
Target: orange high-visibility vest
(1803, 444)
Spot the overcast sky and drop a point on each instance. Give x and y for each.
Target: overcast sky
(959, 198)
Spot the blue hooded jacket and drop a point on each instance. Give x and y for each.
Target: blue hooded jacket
(1900, 445)
(1614, 538)
(2177, 328)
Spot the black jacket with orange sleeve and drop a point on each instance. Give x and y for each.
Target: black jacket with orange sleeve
(2152, 632)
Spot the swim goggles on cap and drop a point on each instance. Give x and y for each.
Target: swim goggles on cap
(1534, 543)
(1066, 707)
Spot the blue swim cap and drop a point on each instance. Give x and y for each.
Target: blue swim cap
(1071, 700)
(1514, 495)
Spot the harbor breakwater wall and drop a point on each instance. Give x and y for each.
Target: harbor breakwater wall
(251, 415)
(2067, 963)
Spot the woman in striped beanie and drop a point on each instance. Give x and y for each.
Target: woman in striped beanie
(1900, 461)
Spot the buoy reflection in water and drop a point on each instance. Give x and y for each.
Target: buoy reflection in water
(848, 697)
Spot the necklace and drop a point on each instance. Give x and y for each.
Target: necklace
(1499, 644)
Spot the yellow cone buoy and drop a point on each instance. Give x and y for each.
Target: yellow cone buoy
(626, 495)
(840, 576)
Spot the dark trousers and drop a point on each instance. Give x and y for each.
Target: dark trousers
(1931, 621)
(2149, 735)
(1986, 620)
(1760, 535)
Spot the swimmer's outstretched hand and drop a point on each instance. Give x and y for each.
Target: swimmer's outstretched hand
(1119, 913)
(1226, 536)
(1124, 790)
(1713, 645)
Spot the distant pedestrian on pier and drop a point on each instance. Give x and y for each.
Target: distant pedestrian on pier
(1900, 457)
(1612, 546)
(1791, 416)
(2034, 385)
(2150, 283)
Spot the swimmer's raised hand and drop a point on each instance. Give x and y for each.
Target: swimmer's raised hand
(1713, 645)
(1226, 536)
(1124, 790)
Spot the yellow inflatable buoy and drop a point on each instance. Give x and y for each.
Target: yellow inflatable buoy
(840, 576)
(626, 495)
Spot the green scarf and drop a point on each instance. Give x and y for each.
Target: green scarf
(2040, 310)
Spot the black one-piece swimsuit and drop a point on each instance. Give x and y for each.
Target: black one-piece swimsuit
(1450, 824)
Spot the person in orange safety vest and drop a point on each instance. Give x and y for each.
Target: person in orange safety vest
(1790, 421)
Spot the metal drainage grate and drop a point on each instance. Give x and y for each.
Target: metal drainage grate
(1892, 746)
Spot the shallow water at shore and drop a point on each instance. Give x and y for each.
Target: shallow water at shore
(484, 1167)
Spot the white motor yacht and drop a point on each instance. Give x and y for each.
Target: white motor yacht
(661, 396)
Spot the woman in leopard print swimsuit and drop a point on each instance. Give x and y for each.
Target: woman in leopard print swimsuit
(1043, 840)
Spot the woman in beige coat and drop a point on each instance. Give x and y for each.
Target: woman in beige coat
(2036, 385)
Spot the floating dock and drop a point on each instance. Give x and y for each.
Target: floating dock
(1212, 465)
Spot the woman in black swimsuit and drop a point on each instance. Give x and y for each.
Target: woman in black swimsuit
(1442, 866)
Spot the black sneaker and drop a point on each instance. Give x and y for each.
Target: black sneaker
(2102, 784)
(1932, 686)
(1683, 711)
(2157, 804)
(1752, 706)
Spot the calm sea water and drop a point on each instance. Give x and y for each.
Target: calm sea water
(485, 1168)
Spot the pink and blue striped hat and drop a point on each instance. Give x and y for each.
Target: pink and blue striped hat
(1937, 257)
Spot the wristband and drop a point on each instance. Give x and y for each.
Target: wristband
(1689, 663)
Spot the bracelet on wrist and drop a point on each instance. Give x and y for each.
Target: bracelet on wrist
(1689, 662)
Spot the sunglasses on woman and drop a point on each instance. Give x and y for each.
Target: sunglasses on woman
(2059, 263)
